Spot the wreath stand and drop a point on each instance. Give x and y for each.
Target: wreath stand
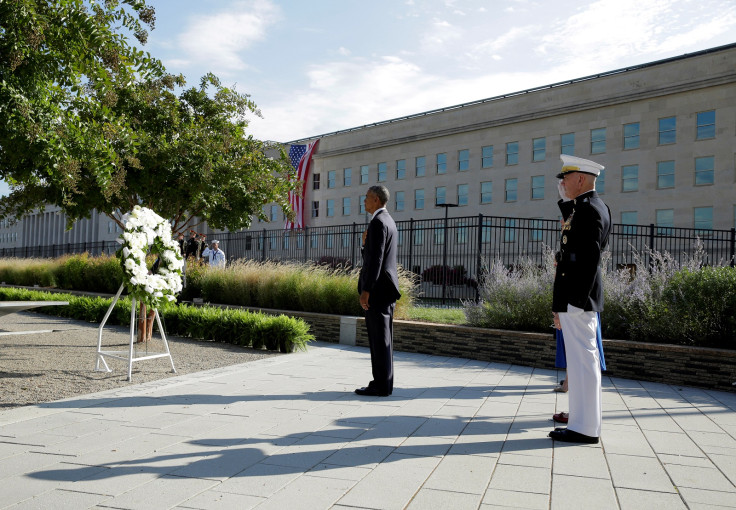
(121, 354)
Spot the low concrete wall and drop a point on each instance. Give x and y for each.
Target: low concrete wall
(670, 364)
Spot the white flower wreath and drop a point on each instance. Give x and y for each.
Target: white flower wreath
(146, 231)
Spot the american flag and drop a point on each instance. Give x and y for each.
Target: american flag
(301, 158)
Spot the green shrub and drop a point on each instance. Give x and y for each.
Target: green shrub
(239, 327)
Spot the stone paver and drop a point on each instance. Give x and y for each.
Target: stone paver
(288, 432)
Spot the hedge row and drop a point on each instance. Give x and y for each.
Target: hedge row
(239, 327)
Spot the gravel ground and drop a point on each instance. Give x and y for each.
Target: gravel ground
(44, 367)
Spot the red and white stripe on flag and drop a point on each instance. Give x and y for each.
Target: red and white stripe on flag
(301, 159)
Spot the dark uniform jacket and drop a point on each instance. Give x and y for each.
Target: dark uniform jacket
(379, 274)
(584, 236)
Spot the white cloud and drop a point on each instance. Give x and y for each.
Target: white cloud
(218, 40)
(348, 94)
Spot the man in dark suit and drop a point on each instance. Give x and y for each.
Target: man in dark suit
(577, 295)
(378, 286)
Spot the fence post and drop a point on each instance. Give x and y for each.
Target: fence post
(306, 243)
(411, 247)
(263, 249)
(733, 246)
(651, 245)
(479, 250)
(352, 247)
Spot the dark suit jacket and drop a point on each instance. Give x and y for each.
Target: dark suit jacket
(379, 274)
(584, 236)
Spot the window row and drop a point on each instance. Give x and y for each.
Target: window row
(704, 174)
(8, 237)
(664, 220)
(666, 134)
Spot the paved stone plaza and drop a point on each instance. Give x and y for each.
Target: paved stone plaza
(288, 432)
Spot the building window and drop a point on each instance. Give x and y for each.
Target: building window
(418, 199)
(486, 231)
(706, 125)
(463, 160)
(486, 191)
(665, 219)
(509, 231)
(440, 194)
(667, 130)
(362, 204)
(419, 236)
(285, 241)
(462, 194)
(600, 182)
(629, 220)
(274, 213)
(510, 189)
(346, 206)
(400, 240)
(420, 166)
(300, 240)
(330, 207)
(315, 181)
(512, 153)
(703, 220)
(331, 179)
(665, 174)
(313, 240)
(567, 144)
(537, 187)
(598, 141)
(345, 238)
(442, 163)
(704, 170)
(400, 169)
(399, 198)
(462, 233)
(537, 225)
(110, 227)
(382, 172)
(329, 242)
(364, 174)
(347, 176)
(539, 149)
(631, 136)
(487, 156)
(315, 209)
(439, 233)
(630, 178)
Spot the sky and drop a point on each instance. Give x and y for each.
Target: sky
(319, 66)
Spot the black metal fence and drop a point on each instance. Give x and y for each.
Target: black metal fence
(447, 255)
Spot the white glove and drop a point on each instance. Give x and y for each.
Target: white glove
(561, 191)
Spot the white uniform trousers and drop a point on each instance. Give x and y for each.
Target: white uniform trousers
(583, 370)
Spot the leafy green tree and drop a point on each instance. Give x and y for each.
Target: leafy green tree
(60, 63)
(187, 157)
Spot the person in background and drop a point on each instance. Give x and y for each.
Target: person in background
(214, 256)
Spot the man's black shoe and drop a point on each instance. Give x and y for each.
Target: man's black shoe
(370, 392)
(570, 436)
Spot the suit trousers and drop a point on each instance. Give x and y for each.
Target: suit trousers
(583, 370)
(379, 321)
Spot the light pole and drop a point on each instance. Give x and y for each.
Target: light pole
(444, 250)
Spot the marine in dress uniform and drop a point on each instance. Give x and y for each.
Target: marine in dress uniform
(578, 295)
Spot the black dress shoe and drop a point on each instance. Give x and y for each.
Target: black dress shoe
(370, 392)
(570, 436)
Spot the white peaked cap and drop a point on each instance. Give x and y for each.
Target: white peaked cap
(575, 164)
